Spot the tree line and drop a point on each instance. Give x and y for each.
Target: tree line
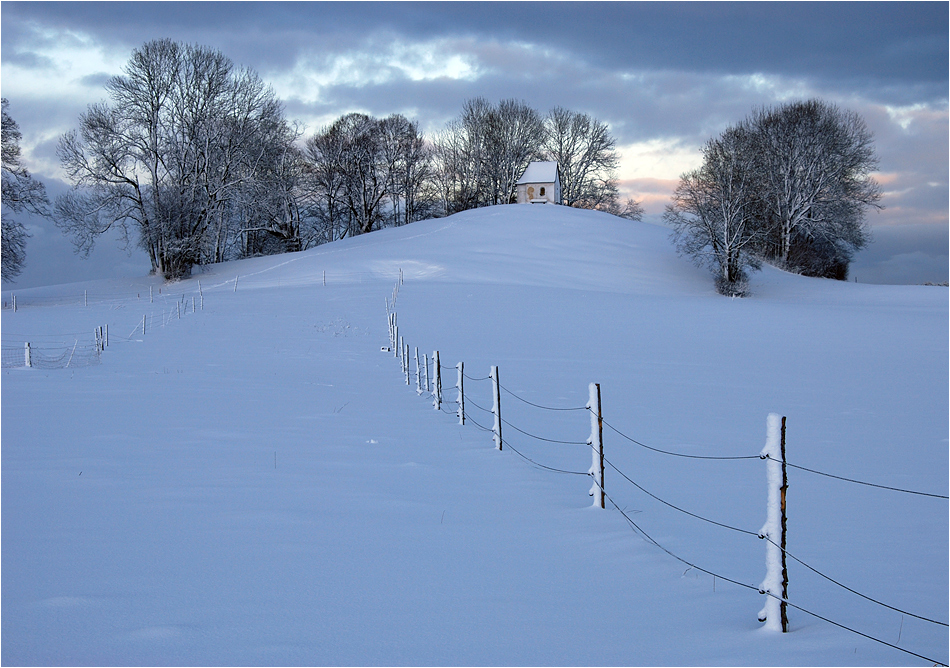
(789, 185)
(192, 159)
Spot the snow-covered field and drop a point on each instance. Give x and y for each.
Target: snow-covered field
(254, 482)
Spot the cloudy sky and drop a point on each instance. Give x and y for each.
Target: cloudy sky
(665, 76)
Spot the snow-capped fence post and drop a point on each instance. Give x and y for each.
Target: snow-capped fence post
(14, 303)
(27, 358)
(400, 352)
(596, 443)
(418, 373)
(107, 335)
(143, 324)
(437, 385)
(405, 362)
(496, 405)
(460, 384)
(775, 584)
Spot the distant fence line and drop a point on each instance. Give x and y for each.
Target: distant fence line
(13, 302)
(56, 351)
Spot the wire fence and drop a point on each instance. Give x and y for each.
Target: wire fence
(465, 404)
(51, 357)
(66, 350)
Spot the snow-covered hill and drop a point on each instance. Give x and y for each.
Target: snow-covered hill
(254, 482)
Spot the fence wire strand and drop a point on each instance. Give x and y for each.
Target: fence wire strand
(675, 454)
(546, 408)
(858, 482)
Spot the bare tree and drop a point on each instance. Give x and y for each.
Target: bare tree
(407, 160)
(586, 154)
(168, 159)
(631, 210)
(324, 181)
(481, 155)
(814, 162)
(364, 169)
(713, 211)
(461, 154)
(514, 138)
(20, 192)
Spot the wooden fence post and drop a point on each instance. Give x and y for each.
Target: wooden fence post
(460, 384)
(405, 362)
(27, 357)
(775, 585)
(596, 442)
(143, 324)
(496, 405)
(437, 385)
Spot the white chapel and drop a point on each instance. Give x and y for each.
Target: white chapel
(540, 184)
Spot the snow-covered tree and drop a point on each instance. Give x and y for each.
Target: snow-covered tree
(481, 155)
(362, 173)
(586, 154)
(814, 163)
(713, 211)
(20, 192)
(171, 158)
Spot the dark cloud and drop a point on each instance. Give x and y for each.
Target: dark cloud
(97, 80)
(882, 42)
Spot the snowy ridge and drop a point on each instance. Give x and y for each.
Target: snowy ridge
(248, 484)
